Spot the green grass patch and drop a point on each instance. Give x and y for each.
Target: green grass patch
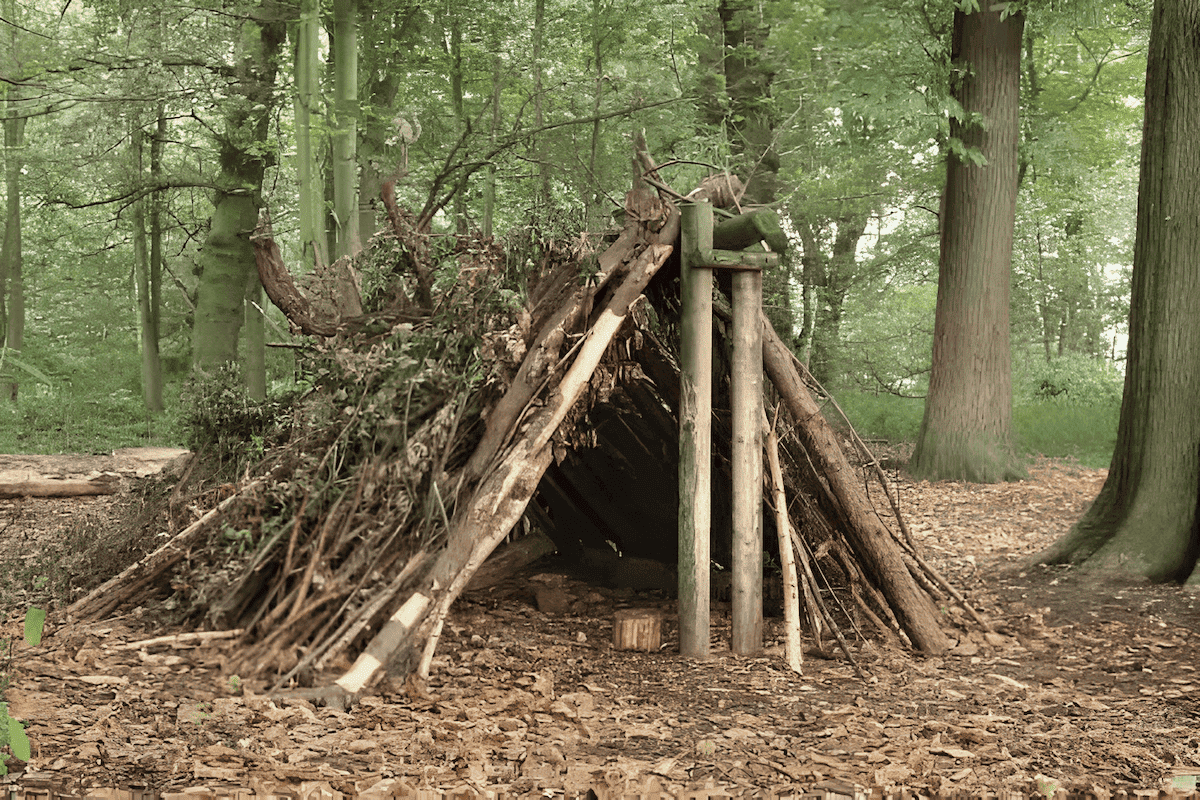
(49, 420)
(1087, 433)
(1052, 428)
(879, 416)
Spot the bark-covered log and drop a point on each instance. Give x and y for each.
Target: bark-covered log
(872, 542)
(61, 487)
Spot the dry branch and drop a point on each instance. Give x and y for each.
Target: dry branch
(873, 542)
(278, 284)
(499, 501)
(787, 555)
(137, 576)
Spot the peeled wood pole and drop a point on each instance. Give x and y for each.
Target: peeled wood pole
(746, 391)
(695, 430)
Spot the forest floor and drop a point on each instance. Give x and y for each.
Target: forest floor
(1086, 684)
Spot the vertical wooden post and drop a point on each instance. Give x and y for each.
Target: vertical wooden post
(695, 430)
(746, 400)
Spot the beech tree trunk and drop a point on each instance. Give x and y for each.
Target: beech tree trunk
(966, 433)
(1144, 522)
(227, 258)
(311, 189)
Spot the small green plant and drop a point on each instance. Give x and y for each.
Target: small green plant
(235, 684)
(239, 541)
(198, 712)
(12, 731)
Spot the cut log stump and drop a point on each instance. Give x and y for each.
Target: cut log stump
(638, 629)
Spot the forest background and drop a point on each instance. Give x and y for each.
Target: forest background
(129, 125)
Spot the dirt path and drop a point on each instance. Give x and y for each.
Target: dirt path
(1085, 683)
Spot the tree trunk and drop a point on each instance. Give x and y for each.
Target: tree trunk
(11, 260)
(255, 361)
(345, 132)
(966, 433)
(1144, 521)
(154, 321)
(227, 258)
(748, 78)
(537, 145)
(151, 371)
(311, 192)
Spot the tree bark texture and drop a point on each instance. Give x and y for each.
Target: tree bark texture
(227, 258)
(1144, 522)
(748, 77)
(311, 189)
(966, 433)
(345, 133)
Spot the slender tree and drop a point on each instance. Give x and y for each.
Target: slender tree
(152, 389)
(966, 433)
(306, 103)
(1145, 521)
(345, 133)
(12, 279)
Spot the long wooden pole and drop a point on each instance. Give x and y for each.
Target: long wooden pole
(746, 392)
(695, 431)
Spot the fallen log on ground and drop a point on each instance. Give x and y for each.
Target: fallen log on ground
(61, 487)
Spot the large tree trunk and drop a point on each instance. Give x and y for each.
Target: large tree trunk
(227, 258)
(1144, 522)
(967, 430)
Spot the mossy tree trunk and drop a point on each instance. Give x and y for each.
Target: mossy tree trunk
(966, 433)
(1144, 522)
(227, 258)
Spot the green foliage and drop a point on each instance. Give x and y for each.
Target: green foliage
(1070, 379)
(221, 419)
(1085, 432)
(12, 731)
(65, 420)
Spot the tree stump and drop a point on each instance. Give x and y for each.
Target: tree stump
(637, 629)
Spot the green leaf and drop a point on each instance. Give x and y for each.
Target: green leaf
(35, 621)
(18, 740)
